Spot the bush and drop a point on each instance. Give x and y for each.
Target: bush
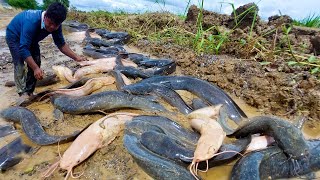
(23, 4)
(46, 3)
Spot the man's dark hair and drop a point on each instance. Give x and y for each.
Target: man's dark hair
(56, 12)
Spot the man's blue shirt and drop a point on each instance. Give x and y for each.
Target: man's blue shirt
(25, 28)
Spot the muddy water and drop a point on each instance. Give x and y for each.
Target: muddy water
(111, 161)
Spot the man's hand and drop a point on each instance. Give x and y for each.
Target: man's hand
(81, 58)
(38, 73)
(65, 49)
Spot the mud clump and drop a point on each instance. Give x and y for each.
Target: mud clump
(315, 41)
(279, 20)
(209, 19)
(244, 16)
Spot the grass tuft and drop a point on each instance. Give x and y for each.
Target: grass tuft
(311, 20)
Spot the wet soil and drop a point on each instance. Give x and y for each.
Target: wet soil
(257, 89)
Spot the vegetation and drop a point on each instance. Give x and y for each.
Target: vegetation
(23, 4)
(32, 4)
(46, 3)
(312, 20)
(205, 41)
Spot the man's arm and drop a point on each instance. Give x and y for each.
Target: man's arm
(37, 72)
(63, 46)
(65, 49)
(26, 36)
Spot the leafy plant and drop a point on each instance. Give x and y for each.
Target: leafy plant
(286, 31)
(23, 4)
(312, 61)
(204, 41)
(46, 3)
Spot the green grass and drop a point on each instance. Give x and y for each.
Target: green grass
(205, 41)
(311, 20)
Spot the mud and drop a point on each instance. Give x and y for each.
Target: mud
(278, 90)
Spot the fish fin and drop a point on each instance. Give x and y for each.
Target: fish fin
(299, 121)
(310, 176)
(58, 115)
(222, 120)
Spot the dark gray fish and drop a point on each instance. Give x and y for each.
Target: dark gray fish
(176, 149)
(198, 103)
(31, 126)
(273, 163)
(299, 122)
(46, 81)
(247, 167)
(118, 60)
(121, 37)
(154, 165)
(156, 63)
(167, 147)
(168, 139)
(75, 26)
(58, 115)
(6, 130)
(163, 70)
(9, 154)
(96, 55)
(137, 58)
(108, 100)
(119, 80)
(108, 51)
(169, 95)
(112, 50)
(203, 89)
(288, 137)
(116, 35)
(87, 33)
(101, 42)
(169, 127)
(100, 32)
(132, 72)
(223, 121)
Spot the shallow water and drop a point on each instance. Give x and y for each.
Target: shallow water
(112, 161)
